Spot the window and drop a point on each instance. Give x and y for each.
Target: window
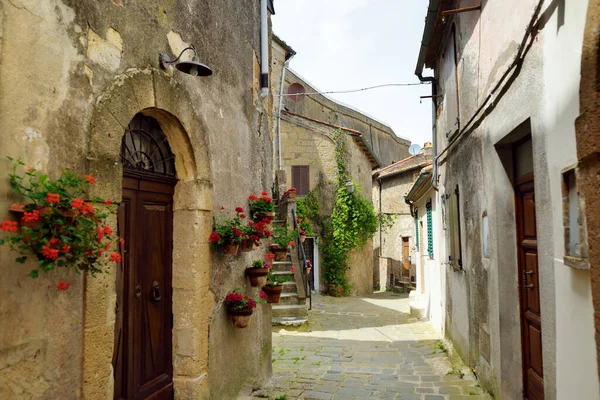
(485, 235)
(575, 248)
(429, 229)
(454, 251)
(300, 179)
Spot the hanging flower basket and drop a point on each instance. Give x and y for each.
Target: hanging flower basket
(280, 253)
(246, 245)
(240, 308)
(240, 318)
(57, 226)
(273, 293)
(230, 248)
(302, 237)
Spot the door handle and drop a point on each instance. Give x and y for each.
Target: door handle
(525, 285)
(138, 291)
(155, 292)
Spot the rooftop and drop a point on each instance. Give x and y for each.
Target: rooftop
(413, 162)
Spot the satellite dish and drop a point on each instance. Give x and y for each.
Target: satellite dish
(296, 92)
(414, 149)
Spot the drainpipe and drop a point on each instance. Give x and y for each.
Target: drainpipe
(380, 212)
(432, 12)
(285, 66)
(264, 49)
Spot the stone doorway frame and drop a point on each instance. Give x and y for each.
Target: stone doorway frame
(155, 94)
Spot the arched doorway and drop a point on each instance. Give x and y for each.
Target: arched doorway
(142, 359)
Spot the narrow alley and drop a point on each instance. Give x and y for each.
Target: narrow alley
(365, 348)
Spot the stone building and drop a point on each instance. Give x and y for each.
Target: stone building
(515, 175)
(392, 246)
(307, 128)
(76, 78)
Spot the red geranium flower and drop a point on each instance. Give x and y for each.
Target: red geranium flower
(89, 179)
(214, 237)
(53, 198)
(62, 285)
(264, 193)
(293, 269)
(53, 241)
(50, 254)
(108, 202)
(292, 243)
(242, 215)
(77, 204)
(263, 295)
(116, 257)
(10, 226)
(269, 256)
(239, 210)
(252, 197)
(30, 216)
(107, 230)
(66, 249)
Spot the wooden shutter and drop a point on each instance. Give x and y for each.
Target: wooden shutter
(300, 179)
(454, 256)
(429, 229)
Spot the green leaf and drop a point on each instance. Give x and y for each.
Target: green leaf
(21, 260)
(34, 273)
(65, 239)
(1, 242)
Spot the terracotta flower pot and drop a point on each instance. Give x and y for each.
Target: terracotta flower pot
(246, 245)
(302, 238)
(230, 248)
(280, 254)
(335, 290)
(307, 270)
(271, 215)
(258, 276)
(273, 293)
(240, 318)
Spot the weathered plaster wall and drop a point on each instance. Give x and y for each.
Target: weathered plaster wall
(67, 107)
(541, 99)
(588, 152)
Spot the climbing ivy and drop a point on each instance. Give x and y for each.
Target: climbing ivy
(352, 223)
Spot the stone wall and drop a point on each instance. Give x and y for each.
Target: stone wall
(67, 107)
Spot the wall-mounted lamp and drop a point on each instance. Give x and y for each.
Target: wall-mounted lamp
(350, 186)
(193, 67)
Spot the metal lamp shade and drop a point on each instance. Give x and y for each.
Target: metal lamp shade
(194, 67)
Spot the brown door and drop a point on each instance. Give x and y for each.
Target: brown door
(405, 254)
(142, 357)
(531, 322)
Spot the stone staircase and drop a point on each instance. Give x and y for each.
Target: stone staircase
(291, 310)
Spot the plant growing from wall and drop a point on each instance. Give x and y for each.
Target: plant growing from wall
(353, 222)
(58, 227)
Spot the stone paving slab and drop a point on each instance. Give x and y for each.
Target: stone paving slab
(364, 348)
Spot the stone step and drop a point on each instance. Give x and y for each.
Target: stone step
(294, 310)
(284, 272)
(289, 321)
(289, 287)
(288, 299)
(282, 266)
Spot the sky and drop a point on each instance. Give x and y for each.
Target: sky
(351, 44)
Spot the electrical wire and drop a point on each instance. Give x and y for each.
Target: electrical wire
(355, 90)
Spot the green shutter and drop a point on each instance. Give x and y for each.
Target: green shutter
(429, 230)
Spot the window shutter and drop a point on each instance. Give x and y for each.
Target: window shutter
(429, 229)
(455, 256)
(300, 179)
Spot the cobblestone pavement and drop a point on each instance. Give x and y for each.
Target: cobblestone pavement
(365, 348)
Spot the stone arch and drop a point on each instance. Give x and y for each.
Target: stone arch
(155, 94)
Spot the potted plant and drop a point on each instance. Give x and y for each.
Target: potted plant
(274, 285)
(259, 270)
(261, 207)
(282, 238)
(302, 235)
(253, 232)
(57, 225)
(290, 194)
(307, 267)
(240, 308)
(227, 233)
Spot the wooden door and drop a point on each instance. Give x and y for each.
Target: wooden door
(142, 357)
(309, 247)
(405, 254)
(531, 321)
(143, 348)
